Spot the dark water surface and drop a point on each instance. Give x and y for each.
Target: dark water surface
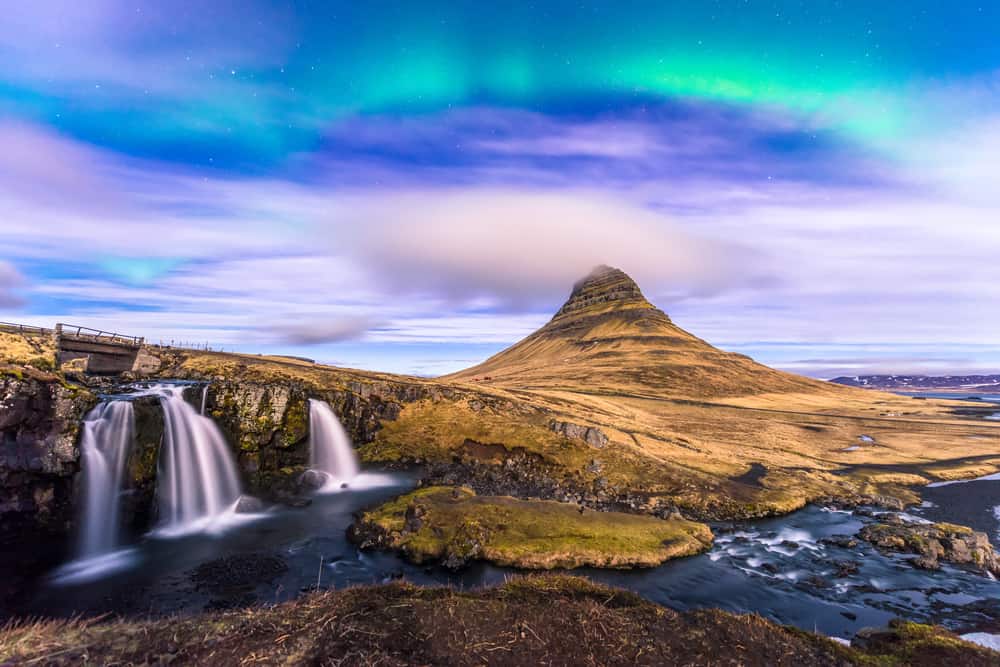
(779, 568)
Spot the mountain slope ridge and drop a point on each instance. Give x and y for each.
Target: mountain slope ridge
(609, 337)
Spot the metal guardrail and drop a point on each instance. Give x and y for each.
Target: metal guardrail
(24, 329)
(96, 335)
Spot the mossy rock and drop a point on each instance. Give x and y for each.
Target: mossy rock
(454, 525)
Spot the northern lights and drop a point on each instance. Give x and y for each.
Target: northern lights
(830, 161)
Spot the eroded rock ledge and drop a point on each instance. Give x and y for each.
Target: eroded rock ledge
(933, 543)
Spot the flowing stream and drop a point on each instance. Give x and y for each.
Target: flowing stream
(787, 569)
(781, 568)
(197, 483)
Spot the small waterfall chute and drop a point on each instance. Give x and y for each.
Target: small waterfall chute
(106, 437)
(105, 444)
(330, 448)
(197, 485)
(332, 460)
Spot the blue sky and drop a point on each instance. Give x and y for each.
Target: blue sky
(411, 188)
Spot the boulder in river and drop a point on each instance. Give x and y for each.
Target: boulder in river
(933, 543)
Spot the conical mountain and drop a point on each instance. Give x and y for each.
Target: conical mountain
(608, 337)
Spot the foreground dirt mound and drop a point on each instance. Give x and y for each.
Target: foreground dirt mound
(545, 620)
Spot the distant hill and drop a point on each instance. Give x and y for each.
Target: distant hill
(921, 382)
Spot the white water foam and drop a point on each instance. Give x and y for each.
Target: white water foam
(89, 569)
(833, 510)
(983, 639)
(208, 524)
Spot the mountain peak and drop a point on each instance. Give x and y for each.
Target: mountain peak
(608, 338)
(604, 289)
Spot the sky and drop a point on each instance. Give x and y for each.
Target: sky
(411, 187)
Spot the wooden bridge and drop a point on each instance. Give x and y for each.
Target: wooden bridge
(102, 352)
(107, 353)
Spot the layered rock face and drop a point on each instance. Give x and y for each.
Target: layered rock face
(267, 423)
(39, 421)
(39, 459)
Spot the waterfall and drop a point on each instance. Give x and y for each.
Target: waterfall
(105, 444)
(204, 397)
(197, 480)
(330, 447)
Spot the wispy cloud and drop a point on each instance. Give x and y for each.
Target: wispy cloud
(10, 279)
(318, 331)
(480, 244)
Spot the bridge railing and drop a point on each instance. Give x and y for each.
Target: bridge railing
(96, 335)
(12, 327)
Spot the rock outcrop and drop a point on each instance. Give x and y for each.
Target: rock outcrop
(933, 543)
(267, 423)
(39, 422)
(39, 459)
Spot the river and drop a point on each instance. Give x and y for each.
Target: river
(787, 569)
(780, 568)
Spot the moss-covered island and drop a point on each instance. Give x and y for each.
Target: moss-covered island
(548, 620)
(454, 525)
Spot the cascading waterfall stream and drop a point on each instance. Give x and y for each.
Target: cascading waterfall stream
(197, 486)
(197, 480)
(204, 398)
(330, 447)
(105, 444)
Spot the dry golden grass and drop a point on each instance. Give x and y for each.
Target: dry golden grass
(537, 620)
(21, 350)
(611, 360)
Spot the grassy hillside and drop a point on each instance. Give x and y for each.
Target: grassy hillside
(22, 350)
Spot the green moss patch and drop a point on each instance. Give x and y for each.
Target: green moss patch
(454, 525)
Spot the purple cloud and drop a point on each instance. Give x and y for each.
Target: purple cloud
(309, 331)
(10, 280)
